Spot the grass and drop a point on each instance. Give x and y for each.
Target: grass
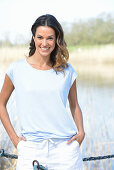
(10, 54)
(5, 143)
(87, 47)
(93, 55)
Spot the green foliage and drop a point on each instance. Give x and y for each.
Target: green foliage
(94, 31)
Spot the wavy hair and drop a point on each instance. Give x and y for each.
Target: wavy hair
(59, 55)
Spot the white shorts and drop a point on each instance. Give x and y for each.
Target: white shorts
(54, 154)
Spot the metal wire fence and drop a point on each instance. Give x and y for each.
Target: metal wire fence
(37, 166)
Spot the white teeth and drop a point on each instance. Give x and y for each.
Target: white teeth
(44, 48)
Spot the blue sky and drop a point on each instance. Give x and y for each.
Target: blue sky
(17, 16)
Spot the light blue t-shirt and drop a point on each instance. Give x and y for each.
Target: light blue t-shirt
(41, 98)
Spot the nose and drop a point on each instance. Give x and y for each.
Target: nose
(44, 42)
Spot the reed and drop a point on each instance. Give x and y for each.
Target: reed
(97, 62)
(10, 54)
(97, 139)
(93, 55)
(5, 143)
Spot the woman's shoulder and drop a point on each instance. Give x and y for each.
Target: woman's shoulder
(20, 61)
(69, 66)
(15, 65)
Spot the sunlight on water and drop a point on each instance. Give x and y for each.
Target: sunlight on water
(97, 104)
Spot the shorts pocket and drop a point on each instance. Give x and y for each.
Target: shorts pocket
(77, 142)
(19, 143)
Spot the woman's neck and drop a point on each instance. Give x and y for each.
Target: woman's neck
(39, 62)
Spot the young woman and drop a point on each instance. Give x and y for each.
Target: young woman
(43, 82)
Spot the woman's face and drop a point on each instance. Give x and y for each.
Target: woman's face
(45, 40)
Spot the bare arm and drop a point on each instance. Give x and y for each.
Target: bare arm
(76, 113)
(6, 91)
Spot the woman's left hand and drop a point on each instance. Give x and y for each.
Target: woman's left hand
(78, 137)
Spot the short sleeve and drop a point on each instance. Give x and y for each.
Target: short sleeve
(10, 72)
(73, 75)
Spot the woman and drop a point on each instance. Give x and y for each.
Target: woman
(43, 82)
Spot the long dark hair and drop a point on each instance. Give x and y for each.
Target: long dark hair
(59, 55)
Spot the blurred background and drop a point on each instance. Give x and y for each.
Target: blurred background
(89, 34)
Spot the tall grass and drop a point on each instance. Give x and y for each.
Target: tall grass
(93, 55)
(10, 54)
(97, 62)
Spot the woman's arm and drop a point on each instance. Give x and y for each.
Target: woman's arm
(76, 113)
(5, 93)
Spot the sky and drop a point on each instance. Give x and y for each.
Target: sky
(17, 16)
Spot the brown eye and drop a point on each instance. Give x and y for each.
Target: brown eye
(39, 37)
(50, 38)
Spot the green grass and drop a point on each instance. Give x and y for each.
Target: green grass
(74, 48)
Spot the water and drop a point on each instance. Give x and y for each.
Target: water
(97, 103)
(96, 99)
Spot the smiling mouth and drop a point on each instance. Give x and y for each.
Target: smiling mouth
(45, 49)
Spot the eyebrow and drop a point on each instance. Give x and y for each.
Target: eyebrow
(52, 35)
